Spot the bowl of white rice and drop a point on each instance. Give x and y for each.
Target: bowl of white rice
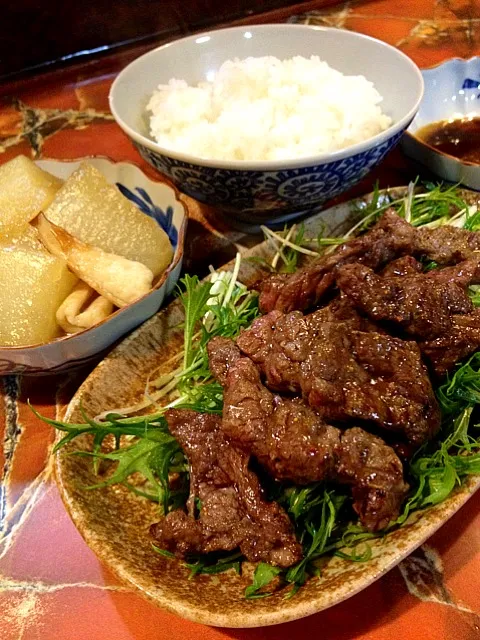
(267, 122)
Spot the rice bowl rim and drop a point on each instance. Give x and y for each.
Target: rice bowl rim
(268, 165)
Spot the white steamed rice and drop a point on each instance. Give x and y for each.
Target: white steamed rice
(267, 109)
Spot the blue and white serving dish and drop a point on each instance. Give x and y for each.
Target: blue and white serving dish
(154, 198)
(452, 90)
(268, 191)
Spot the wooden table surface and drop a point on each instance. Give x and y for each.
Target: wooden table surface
(51, 585)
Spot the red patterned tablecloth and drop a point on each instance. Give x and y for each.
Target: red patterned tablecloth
(51, 585)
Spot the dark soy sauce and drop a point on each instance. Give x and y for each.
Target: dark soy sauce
(458, 138)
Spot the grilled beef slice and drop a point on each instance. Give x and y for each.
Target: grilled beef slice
(287, 437)
(233, 512)
(421, 304)
(293, 443)
(461, 340)
(341, 309)
(434, 308)
(391, 237)
(375, 473)
(446, 244)
(405, 266)
(345, 374)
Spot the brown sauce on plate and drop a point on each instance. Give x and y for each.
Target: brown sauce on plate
(458, 138)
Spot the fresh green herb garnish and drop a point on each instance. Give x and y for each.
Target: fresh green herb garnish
(430, 265)
(153, 454)
(264, 574)
(461, 390)
(472, 222)
(215, 563)
(474, 293)
(433, 206)
(315, 531)
(287, 245)
(194, 298)
(439, 466)
(322, 526)
(163, 552)
(220, 307)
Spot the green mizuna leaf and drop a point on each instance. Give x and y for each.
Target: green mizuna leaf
(263, 576)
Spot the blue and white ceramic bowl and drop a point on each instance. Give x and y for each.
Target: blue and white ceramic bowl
(268, 191)
(452, 90)
(156, 199)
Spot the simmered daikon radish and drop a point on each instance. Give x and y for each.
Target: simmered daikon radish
(25, 190)
(33, 285)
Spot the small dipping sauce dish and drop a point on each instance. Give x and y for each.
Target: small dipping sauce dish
(459, 138)
(445, 134)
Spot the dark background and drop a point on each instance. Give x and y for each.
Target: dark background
(33, 32)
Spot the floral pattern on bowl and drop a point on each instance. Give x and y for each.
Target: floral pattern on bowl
(254, 195)
(452, 90)
(144, 202)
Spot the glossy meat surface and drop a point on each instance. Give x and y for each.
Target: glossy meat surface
(233, 512)
(376, 475)
(285, 435)
(345, 374)
(420, 304)
(462, 339)
(446, 244)
(293, 443)
(391, 237)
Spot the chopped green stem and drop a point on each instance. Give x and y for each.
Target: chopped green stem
(283, 241)
(279, 253)
(233, 280)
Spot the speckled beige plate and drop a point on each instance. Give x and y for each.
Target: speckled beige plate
(114, 522)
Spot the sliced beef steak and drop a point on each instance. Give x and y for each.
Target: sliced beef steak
(376, 475)
(420, 304)
(233, 512)
(391, 237)
(222, 354)
(446, 244)
(405, 266)
(341, 309)
(345, 374)
(293, 443)
(461, 340)
(287, 437)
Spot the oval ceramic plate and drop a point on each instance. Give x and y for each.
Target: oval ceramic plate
(115, 522)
